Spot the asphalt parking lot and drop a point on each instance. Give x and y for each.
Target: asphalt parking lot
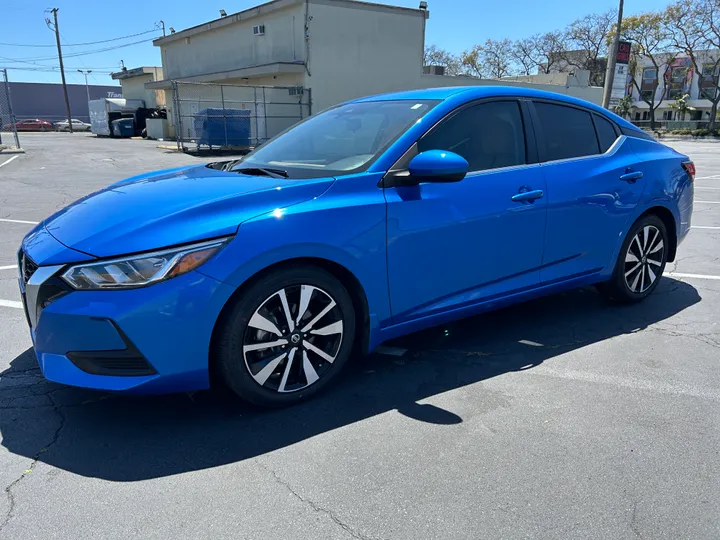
(563, 417)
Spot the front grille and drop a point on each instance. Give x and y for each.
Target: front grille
(27, 266)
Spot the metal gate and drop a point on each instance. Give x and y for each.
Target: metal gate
(8, 130)
(238, 117)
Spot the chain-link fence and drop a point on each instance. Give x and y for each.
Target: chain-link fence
(8, 130)
(227, 116)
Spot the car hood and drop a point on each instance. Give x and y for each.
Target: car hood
(171, 207)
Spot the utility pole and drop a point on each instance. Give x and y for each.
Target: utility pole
(87, 88)
(62, 68)
(612, 57)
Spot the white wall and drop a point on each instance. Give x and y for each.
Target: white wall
(356, 50)
(233, 46)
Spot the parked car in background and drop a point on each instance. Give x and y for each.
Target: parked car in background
(31, 125)
(371, 220)
(77, 125)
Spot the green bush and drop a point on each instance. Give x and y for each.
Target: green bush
(701, 132)
(682, 131)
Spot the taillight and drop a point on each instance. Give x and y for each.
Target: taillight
(689, 167)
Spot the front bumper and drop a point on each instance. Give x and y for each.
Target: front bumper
(148, 340)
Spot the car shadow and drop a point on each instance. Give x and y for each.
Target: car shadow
(124, 438)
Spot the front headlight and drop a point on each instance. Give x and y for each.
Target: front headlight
(142, 269)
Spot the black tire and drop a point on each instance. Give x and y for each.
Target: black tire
(633, 289)
(236, 333)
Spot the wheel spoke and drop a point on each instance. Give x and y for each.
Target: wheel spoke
(286, 309)
(262, 376)
(260, 322)
(266, 345)
(322, 354)
(656, 263)
(319, 316)
(288, 365)
(334, 328)
(306, 292)
(633, 287)
(642, 281)
(646, 234)
(651, 275)
(639, 264)
(310, 374)
(636, 240)
(657, 248)
(630, 257)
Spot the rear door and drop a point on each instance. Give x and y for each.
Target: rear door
(594, 182)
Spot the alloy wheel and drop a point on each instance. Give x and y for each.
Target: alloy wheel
(293, 338)
(644, 259)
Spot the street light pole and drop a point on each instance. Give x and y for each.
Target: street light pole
(87, 88)
(612, 57)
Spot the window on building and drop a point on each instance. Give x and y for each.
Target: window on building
(710, 70)
(605, 132)
(649, 75)
(488, 136)
(647, 95)
(677, 75)
(637, 116)
(645, 115)
(674, 93)
(709, 92)
(567, 132)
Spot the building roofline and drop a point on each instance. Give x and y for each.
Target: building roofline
(275, 5)
(135, 72)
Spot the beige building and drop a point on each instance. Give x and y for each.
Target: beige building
(336, 49)
(133, 83)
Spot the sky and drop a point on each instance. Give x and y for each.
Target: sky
(455, 25)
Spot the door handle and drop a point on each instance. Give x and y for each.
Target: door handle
(527, 196)
(631, 176)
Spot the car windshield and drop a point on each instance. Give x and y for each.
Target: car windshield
(341, 140)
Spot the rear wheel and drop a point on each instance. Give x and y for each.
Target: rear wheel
(640, 263)
(287, 337)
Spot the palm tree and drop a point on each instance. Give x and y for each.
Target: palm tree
(623, 106)
(681, 105)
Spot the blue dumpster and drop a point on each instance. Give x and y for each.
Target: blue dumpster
(223, 127)
(123, 127)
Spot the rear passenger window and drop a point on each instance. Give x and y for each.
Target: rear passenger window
(605, 132)
(568, 132)
(488, 136)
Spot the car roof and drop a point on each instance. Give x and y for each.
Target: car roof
(470, 93)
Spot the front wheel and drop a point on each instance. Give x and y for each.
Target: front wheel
(640, 263)
(286, 337)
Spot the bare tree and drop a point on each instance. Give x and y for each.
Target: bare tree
(435, 56)
(539, 53)
(493, 58)
(649, 37)
(586, 43)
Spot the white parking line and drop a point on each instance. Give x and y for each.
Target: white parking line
(707, 177)
(708, 202)
(703, 187)
(705, 227)
(14, 266)
(8, 161)
(691, 276)
(11, 304)
(28, 222)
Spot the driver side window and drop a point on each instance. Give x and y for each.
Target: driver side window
(488, 135)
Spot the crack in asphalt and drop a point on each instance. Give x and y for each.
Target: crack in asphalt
(313, 505)
(9, 488)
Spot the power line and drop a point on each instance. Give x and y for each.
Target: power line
(76, 54)
(83, 44)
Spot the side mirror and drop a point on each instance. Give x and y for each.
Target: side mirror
(438, 166)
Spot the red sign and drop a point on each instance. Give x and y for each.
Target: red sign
(623, 53)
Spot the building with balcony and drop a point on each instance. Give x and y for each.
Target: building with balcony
(673, 78)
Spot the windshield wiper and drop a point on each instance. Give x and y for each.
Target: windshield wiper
(260, 171)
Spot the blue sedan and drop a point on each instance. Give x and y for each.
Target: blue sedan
(368, 221)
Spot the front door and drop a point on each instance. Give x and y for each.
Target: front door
(457, 244)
